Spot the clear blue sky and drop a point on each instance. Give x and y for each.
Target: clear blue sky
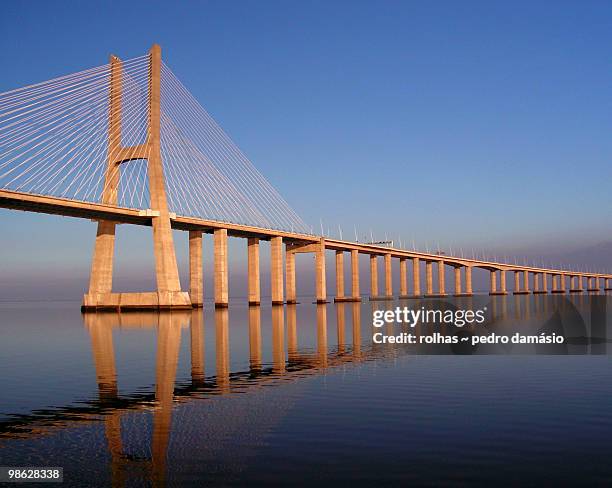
(484, 124)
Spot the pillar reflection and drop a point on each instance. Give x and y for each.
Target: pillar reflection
(322, 335)
(278, 340)
(340, 326)
(255, 361)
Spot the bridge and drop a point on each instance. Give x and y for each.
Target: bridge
(126, 143)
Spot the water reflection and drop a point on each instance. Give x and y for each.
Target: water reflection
(298, 340)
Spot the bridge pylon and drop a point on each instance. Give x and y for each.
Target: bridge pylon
(168, 294)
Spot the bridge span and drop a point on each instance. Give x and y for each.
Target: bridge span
(126, 143)
(527, 279)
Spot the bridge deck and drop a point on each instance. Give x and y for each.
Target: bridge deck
(97, 211)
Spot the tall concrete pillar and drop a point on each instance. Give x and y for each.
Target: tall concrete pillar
(545, 282)
(416, 277)
(403, 278)
(572, 283)
(355, 293)
(502, 280)
(168, 294)
(196, 287)
(493, 280)
(388, 276)
(166, 269)
(253, 270)
(562, 283)
(373, 276)
(458, 281)
(220, 264)
(101, 277)
(468, 281)
(441, 278)
(536, 282)
(428, 278)
(321, 288)
(276, 270)
(555, 283)
(517, 283)
(607, 286)
(526, 280)
(340, 275)
(290, 272)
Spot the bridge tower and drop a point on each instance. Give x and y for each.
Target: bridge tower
(168, 294)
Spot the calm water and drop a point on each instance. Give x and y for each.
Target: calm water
(301, 395)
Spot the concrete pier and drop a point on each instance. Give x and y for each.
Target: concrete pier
(320, 285)
(290, 276)
(373, 276)
(468, 281)
(457, 272)
(428, 278)
(254, 282)
(196, 287)
(340, 277)
(276, 270)
(517, 283)
(355, 292)
(168, 294)
(403, 278)
(416, 277)
(493, 285)
(220, 272)
(388, 277)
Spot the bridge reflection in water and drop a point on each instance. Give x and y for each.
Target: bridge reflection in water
(581, 319)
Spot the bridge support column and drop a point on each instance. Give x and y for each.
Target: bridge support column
(555, 284)
(373, 276)
(321, 289)
(607, 286)
(517, 283)
(340, 277)
(441, 279)
(592, 284)
(196, 288)
(253, 270)
(220, 275)
(416, 277)
(276, 270)
(493, 282)
(468, 281)
(526, 280)
(545, 282)
(355, 293)
(403, 278)
(561, 283)
(290, 272)
(388, 277)
(168, 294)
(428, 278)
(457, 272)
(502, 280)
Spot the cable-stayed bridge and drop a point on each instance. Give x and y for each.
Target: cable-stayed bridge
(127, 143)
